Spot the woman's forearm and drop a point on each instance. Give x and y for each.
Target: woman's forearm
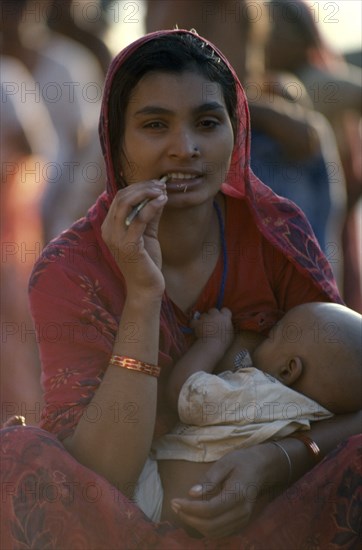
(117, 443)
(283, 120)
(327, 434)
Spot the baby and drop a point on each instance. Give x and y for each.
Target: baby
(295, 376)
(306, 350)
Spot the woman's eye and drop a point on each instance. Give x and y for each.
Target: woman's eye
(155, 125)
(209, 123)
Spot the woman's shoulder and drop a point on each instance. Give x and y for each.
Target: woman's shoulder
(278, 219)
(275, 227)
(78, 249)
(75, 246)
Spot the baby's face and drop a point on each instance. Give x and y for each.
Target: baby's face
(273, 353)
(268, 356)
(286, 339)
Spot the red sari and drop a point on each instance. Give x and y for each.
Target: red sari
(271, 262)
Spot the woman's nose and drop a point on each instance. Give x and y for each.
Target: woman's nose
(183, 145)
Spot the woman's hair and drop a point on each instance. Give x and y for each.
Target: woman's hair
(173, 53)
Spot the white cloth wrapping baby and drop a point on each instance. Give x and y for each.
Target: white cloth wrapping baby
(148, 495)
(220, 413)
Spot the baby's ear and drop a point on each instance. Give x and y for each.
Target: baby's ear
(291, 371)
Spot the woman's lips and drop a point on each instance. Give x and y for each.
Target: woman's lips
(180, 182)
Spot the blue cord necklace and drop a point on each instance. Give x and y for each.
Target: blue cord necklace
(220, 296)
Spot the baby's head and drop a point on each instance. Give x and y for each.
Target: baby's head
(317, 349)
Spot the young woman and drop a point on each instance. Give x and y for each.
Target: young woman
(183, 226)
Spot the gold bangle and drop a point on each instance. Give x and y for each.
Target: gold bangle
(134, 364)
(312, 447)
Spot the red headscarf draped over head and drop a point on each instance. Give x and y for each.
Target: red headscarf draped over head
(279, 220)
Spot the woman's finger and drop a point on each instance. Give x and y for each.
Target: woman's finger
(114, 228)
(207, 506)
(129, 198)
(149, 214)
(230, 521)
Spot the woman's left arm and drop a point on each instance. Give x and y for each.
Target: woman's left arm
(226, 497)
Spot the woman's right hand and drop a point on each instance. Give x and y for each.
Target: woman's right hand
(136, 248)
(233, 490)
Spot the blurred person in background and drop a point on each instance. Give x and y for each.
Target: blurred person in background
(83, 25)
(74, 106)
(46, 57)
(86, 24)
(334, 87)
(28, 142)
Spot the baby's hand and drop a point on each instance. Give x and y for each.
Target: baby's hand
(215, 325)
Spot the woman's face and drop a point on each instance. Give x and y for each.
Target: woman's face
(177, 125)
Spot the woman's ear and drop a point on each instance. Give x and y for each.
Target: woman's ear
(290, 372)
